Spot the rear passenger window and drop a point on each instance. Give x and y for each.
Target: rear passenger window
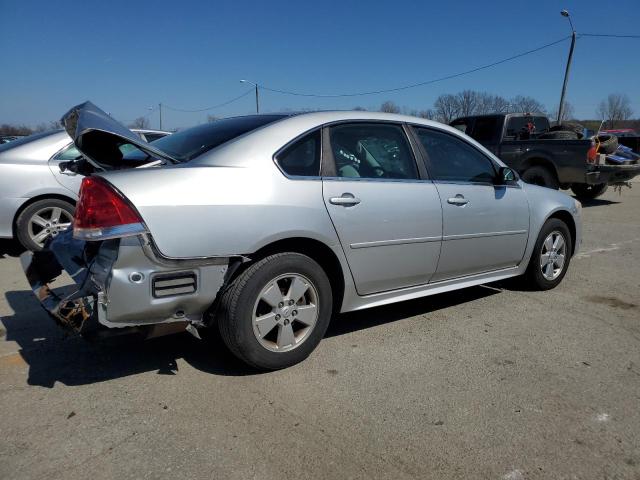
(302, 159)
(368, 150)
(453, 160)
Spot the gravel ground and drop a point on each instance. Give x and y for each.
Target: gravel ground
(488, 382)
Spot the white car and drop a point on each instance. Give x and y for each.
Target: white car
(37, 201)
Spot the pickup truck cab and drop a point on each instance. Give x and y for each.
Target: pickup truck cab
(551, 162)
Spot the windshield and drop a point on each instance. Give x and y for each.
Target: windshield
(192, 142)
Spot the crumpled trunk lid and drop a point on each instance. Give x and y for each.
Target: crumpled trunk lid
(99, 138)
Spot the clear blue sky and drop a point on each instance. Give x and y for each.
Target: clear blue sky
(126, 56)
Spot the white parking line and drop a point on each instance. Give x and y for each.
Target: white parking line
(609, 248)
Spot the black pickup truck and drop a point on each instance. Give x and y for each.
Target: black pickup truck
(522, 142)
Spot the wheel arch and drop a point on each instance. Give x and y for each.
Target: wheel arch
(566, 217)
(35, 199)
(316, 250)
(538, 161)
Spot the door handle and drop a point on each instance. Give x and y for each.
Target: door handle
(346, 200)
(458, 200)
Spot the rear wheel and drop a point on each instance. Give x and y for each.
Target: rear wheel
(588, 192)
(551, 256)
(276, 312)
(43, 220)
(539, 175)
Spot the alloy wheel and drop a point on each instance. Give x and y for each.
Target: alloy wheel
(285, 312)
(48, 222)
(552, 255)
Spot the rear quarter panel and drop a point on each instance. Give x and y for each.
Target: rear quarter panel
(203, 211)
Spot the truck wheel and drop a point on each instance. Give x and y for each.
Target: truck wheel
(551, 256)
(276, 312)
(539, 175)
(583, 191)
(43, 220)
(608, 143)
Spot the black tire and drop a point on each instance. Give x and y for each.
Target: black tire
(534, 277)
(558, 135)
(24, 220)
(235, 315)
(583, 191)
(569, 127)
(539, 175)
(608, 143)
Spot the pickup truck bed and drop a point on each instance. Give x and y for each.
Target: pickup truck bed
(553, 163)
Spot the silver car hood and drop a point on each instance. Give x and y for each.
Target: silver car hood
(98, 136)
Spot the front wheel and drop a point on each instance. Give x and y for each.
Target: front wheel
(583, 191)
(551, 256)
(275, 313)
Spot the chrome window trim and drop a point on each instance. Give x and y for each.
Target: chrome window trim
(515, 185)
(383, 180)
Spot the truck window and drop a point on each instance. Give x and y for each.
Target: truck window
(484, 129)
(517, 125)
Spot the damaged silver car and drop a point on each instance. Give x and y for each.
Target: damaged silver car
(266, 226)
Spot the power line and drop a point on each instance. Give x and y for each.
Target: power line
(420, 84)
(607, 35)
(209, 108)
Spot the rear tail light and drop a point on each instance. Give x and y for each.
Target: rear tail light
(103, 212)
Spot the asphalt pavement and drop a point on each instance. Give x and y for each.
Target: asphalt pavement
(489, 382)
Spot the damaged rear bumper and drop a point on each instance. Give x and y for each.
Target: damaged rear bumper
(122, 284)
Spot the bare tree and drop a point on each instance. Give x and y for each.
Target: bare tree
(7, 129)
(568, 112)
(359, 109)
(616, 108)
(212, 118)
(446, 108)
(140, 122)
(389, 107)
(523, 104)
(467, 102)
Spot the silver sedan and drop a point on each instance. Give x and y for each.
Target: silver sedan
(37, 200)
(266, 226)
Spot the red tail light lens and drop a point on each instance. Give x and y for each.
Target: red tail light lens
(592, 154)
(102, 212)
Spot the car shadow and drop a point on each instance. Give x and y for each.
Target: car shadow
(10, 248)
(597, 202)
(55, 356)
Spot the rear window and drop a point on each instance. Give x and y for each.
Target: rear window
(192, 142)
(519, 125)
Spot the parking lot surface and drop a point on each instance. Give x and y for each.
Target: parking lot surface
(487, 382)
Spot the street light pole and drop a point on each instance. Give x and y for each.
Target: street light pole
(160, 108)
(565, 13)
(257, 97)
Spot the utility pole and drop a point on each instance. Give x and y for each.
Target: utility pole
(160, 109)
(256, 85)
(565, 13)
(257, 104)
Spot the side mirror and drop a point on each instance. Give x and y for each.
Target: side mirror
(506, 175)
